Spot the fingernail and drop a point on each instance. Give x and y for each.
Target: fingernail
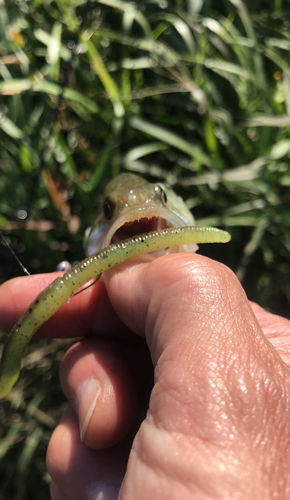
(87, 397)
(102, 491)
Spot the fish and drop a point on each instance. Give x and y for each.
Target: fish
(130, 206)
(135, 218)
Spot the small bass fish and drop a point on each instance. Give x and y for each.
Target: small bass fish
(131, 206)
(136, 218)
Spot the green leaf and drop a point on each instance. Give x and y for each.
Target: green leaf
(18, 86)
(141, 151)
(104, 76)
(131, 10)
(172, 139)
(24, 153)
(210, 137)
(15, 86)
(9, 127)
(51, 42)
(268, 121)
(280, 149)
(224, 67)
(54, 51)
(182, 28)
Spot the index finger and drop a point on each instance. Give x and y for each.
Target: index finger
(88, 313)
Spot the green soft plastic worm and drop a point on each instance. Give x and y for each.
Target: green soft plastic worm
(63, 288)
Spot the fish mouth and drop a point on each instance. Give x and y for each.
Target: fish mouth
(136, 222)
(137, 227)
(132, 223)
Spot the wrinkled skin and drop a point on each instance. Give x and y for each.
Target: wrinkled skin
(218, 422)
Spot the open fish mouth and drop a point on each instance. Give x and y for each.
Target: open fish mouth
(134, 222)
(137, 227)
(130, 223)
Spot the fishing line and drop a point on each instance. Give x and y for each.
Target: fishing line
(14, 254)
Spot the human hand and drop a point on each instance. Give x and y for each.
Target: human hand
(217, 424)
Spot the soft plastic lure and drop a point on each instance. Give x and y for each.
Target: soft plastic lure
(63, 288)
(129, 204)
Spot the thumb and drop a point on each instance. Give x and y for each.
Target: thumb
(219, 384)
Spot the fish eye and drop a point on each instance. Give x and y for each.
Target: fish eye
(158, 191)
(163, 197)
(108, 207)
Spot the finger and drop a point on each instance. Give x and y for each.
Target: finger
(143, 295)
(272, 324)
(88, 312)
(276, 329)
(97, 381)
(56, 493)
(80, 472)
(216, 375)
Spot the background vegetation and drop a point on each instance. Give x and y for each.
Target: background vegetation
(184, 92)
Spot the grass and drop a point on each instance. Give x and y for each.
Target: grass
(196, 96)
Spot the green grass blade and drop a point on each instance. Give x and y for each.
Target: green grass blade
(104, 76)
(172, 140)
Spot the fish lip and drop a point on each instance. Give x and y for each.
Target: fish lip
(135, 215)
